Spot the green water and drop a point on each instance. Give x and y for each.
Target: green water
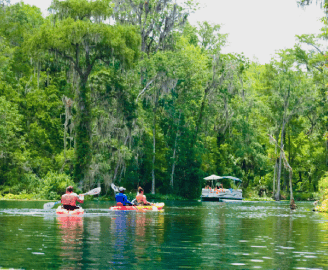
(187, 235)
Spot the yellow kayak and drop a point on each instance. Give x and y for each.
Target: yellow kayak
(153, 207)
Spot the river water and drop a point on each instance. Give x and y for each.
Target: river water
(186, 235)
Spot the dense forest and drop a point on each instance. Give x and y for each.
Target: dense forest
(128, 91)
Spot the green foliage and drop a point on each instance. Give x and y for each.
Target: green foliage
(323, 187)
(306, 196)
(24, 196)
(152, 98)
(165, 197)
(54, 185)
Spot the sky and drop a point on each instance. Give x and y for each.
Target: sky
(257, 28)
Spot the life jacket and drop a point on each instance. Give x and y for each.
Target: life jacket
(121, 198)
(69, 199)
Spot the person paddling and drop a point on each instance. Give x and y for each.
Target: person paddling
(141, 198)
(121, 198)
(69, 199)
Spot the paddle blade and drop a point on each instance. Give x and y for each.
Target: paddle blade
(50, 205)
(94, 191)
(114, 187)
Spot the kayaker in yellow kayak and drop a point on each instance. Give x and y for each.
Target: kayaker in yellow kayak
(69, 199)
(141, 198)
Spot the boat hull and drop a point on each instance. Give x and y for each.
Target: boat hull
(76, 212)
(221, 194)
(153, 207)
(216, 199)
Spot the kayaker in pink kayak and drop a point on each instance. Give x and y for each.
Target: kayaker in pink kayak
(121, 198)
(69, 199)
(141, 198)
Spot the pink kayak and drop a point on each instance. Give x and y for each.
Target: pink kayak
(62, 211)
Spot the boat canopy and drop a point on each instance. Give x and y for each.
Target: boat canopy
(216, 177)
(213, 177)
(233, 178)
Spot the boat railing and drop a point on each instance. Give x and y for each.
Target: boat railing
(217, 191)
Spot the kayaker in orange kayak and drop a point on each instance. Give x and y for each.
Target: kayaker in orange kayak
(141, 198)
(69, 199)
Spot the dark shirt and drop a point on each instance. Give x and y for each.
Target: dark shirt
(120, 197)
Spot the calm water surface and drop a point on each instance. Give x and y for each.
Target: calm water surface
(188, 235)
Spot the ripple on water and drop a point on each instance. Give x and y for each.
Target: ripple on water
(38, 253)
(282, 247)
(304, 268)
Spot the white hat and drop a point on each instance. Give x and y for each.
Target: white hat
(122, 189)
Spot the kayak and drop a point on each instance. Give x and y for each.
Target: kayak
(62, 211)
(153, 207)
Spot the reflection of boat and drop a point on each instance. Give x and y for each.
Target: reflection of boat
(71, 231)
(228, 200)
(62, 211)
(153, 207)
(220, 194)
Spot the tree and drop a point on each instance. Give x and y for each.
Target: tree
(156, 20)
(78, 33)
(287, 166)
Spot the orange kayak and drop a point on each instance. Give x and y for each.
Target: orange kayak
(153, 207)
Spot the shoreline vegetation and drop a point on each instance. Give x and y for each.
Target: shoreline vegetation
(153, 101)
(157, 197)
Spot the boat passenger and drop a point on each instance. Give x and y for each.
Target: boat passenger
(141, 198)
(69, 199)
(121, 198)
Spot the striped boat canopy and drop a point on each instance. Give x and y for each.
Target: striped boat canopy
(233, 178)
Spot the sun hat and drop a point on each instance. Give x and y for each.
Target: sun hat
(122, 189)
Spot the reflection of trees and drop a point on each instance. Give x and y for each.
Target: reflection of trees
(287, 237)
(221, 229)
(149, 233)
(20, 237)
(183, 238)
(71, 229)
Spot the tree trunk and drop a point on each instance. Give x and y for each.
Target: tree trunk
(291, 185)
(174, 152)
(83, 132)
(154, 154)
(277, 196)
(274, 172)
(274, 177)
(292, 202)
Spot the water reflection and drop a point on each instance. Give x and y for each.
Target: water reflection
(187, 235)
(71, 230)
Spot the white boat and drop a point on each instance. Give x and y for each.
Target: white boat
(221, 194)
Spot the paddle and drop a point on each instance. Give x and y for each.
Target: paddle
(50, 205)
(115, 188)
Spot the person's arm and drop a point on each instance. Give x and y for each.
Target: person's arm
(78, 198)
(145, 200)
(126, 199)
